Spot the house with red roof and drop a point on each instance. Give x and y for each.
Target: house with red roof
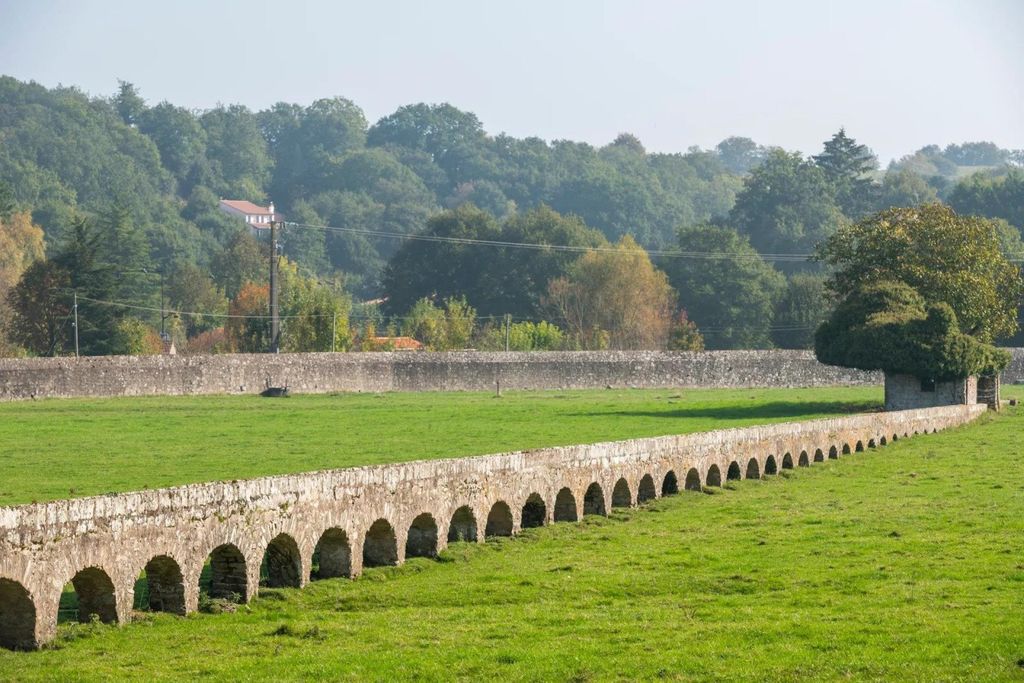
(255, 216)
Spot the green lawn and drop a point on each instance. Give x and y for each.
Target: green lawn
(68, 448)
(902, 563)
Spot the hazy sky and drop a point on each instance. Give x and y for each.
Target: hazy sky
(898, 74)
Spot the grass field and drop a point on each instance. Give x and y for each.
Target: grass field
(69, 448)
(902, 563)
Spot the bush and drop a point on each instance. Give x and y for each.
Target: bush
(132, 337)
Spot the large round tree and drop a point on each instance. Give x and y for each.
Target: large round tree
(922, 291)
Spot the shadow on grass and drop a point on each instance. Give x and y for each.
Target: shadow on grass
(775, 409)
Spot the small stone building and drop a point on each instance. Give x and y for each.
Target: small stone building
(906, 392)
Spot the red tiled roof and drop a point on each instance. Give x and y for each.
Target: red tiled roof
(246, 207)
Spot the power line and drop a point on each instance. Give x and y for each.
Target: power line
(537, 246)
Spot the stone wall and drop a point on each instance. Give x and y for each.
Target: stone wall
(412, 371)
(364, 516)
(1014, 374)
(905, 392)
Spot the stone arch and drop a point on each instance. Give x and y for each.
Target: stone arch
(787, 461)
(645, 491)
(692, 481)
(499, 520)
(227, 577)
(770, 467)
(163, 588)
(753, 469)
(670, 485)
(17, 617)
(535, 512)
(895, 438)
(833, 453)
(803, 460)
(872, 444)
(882, 441)
(819, 455)
(593, 500)
(565, 506)
(422, 538)
(94, 592)
(846, 449)
(859, 448)
(621, 495)
(733, 473)
(282, 563)
(714, 477)
(380, 547)
(463, 526)
(332, 556)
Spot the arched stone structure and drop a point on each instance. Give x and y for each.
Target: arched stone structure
(804, 461)
(819, 455)
(283, 563)
(165, 586)
(593, 500)
(770, 467)
(621, 496)
(499, 520)
(463, 527)
(336, 522)
(333, 555)
(669, 485)
(535, 512)
(692, 481)
(421, 541)
(17, 617)
(646, 491)
(380, 547)
(787, 461)
(714, 476)
(753, 469)
(565, 506)
(228, 577)
(733, 473)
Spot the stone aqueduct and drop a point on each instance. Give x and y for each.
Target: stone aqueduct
(345, 520)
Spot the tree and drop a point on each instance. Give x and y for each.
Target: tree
(41, 309)
(947, 258)
(190, 289)
(315, 314)
(903, 187)
(248, 327)
(846, 165)
(242, 260)
(803, 306)
(132, 337)
(128, 102)
(684, 335)
(731, 294)
(984, 194)
(787, 206)
(82, 257)
(618, 293)
(740, 155)
(887, 325)
(440, 329)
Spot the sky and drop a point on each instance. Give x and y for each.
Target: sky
(897, 74)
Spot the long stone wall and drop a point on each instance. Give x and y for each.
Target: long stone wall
(344, 520)
(410, 371)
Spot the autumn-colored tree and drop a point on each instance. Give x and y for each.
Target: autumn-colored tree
(312, 311)
(615, 295)
(132, 337)
(21, 244)
(444, 328)
(248, 326)
(684, 335)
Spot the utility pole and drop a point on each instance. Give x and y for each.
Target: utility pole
(508, 330)
(334, 333)
(76, 323)
(275, 322)
(163, 314)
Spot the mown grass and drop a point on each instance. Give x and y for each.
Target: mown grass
(902, 563)
(70, 448)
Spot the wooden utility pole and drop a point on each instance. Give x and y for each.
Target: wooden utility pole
(275, 321)
(76, 323)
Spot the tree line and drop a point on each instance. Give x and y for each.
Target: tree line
(119, 198)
